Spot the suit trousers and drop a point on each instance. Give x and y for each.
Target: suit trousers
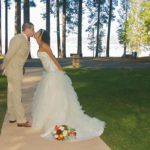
(14, 94)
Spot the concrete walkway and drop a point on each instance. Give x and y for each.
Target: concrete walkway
(14, 138)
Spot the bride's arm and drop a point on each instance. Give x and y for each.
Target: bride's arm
(49, 52)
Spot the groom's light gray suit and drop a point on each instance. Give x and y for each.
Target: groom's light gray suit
(13, 69)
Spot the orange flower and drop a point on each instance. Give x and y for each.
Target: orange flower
(56, 128)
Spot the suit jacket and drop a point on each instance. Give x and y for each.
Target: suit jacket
(16, 56)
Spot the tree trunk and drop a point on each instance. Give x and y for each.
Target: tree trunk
(126, 17)
(64, 29)
(17, 16)
(27, 16)
(93, 34)
(0, 31)
(26, 11)
(109, 28)
(80, 29)
(98, 23)
(48, 16)
(125, 48)
(6, 26)
(58, 30)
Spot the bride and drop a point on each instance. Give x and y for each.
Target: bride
(55, 101)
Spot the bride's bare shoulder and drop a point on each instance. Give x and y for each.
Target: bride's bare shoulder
(44, 48)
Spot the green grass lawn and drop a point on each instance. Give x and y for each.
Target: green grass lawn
(3, 88)
(120, 97)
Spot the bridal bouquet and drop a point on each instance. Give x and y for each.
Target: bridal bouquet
(63, 132)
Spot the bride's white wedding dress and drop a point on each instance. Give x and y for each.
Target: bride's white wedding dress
(55, 102)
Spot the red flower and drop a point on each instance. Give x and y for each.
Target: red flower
(73, 133)
(59, 131)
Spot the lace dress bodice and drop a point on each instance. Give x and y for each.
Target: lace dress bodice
(47, 62)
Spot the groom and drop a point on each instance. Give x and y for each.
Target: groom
(13, 68)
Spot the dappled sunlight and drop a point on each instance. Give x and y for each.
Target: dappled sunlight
(31, 79)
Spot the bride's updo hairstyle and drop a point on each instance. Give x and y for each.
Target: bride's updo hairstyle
(45, 37)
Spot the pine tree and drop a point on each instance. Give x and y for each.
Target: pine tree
(58, 28)
(123, 13)
(109, 27)
(96, 22)
(79, 44)
(64, 29)
(98, 30)
(7, 6)
(17, 16)
(48, 16)
(6, 25)
(69, 20)
(26, 11)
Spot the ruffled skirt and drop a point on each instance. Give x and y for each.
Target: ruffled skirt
(55, 102)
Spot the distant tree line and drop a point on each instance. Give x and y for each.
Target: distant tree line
(134, 25)
(101, 13)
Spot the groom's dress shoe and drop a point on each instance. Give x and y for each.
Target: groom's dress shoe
(10, 121)
(26, 124)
